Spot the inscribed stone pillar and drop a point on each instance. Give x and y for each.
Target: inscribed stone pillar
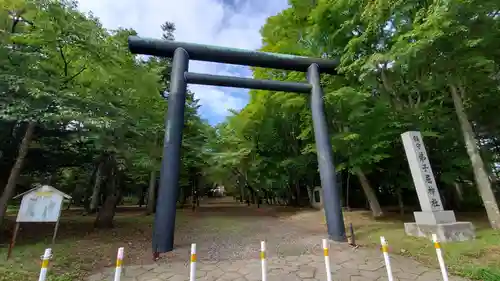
(433, 218)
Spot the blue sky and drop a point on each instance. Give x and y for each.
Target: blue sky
(228, 23)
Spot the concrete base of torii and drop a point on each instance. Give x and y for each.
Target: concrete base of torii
(441, 223)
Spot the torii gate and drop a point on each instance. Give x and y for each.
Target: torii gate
(163, 232)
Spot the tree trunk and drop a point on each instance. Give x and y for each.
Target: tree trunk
(52, 178)
(199, 188)
(242, 191)
(297, 194)
(10, 188)
(458, 194)
(401, 203)
(348, 183)
(248, 198)
(310, 195)
(96, 191)
(290, 199)
(142, 198)
(87, 197)
(77, 194)
(193, 196)
(480, 174)
(106, 213)
(183, 197)
(151, 193)
(370, 194)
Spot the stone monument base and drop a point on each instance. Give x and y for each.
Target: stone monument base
(446, 232)
(434, 217)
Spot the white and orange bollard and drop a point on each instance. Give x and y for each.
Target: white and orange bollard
(385, 252)
(47, 255)
(192, 272)
(326, 248)
(119, 264)
(263, 260)
(439, 253)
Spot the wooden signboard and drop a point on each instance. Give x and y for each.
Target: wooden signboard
(41, 204)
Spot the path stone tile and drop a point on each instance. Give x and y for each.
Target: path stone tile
(283, 277)
(254, 276)
(250, 268)
(214, 274)
(165, 275)
(431, 276)
(147, 276)
(134, 271)
(350, 264)
(361, 278)
(177, 277)
(231, 275)
(207, 267)
(306, 271)
(405, 275)
(149, 266)
(371, 266)
(371, 275)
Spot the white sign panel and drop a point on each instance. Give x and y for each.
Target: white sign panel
(421, 171)
(40, 206)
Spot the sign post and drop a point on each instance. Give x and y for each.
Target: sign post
(433, 218)
(40, 204)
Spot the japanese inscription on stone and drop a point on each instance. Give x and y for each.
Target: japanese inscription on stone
(421, 171)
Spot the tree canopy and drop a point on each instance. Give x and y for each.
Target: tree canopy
(427, 66)
(89, 115)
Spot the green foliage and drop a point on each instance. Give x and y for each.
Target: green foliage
(397, 60)
(91, 99)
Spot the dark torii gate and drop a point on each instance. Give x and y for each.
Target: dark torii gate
(163, 232)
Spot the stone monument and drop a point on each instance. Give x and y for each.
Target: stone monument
(433, 219)
(316, 197)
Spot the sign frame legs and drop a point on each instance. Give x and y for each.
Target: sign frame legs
(13, 240)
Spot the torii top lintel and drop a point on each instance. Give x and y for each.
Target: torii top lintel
(165, 48)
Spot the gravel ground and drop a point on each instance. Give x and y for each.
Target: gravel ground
(226, 230)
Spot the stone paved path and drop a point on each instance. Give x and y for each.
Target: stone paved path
(228, 250)
(346, 265)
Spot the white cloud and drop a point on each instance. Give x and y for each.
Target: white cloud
(219, 101)
(228, 23)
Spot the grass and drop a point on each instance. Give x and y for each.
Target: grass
(13, 208)
(24, 265)
(477, 260)
(79, 249)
